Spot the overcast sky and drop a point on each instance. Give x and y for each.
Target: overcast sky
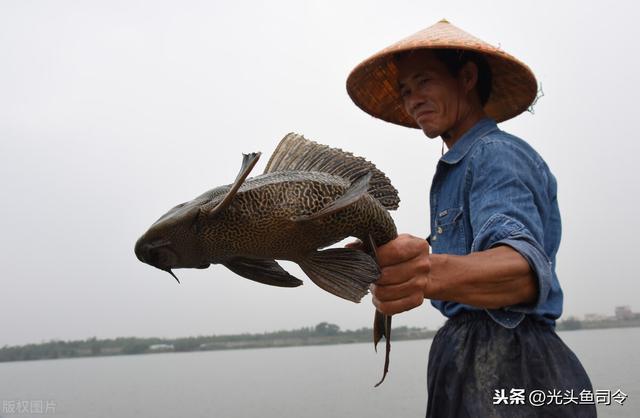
(111, 112)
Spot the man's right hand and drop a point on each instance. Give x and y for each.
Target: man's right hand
(404, 278)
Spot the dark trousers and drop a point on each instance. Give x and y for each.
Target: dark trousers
(478, 369)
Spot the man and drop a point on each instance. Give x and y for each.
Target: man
(495, 230)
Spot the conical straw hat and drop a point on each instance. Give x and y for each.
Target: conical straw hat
(372, 85)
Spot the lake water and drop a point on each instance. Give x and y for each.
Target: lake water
(300, 382)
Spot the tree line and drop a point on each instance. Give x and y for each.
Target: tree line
(322, 333)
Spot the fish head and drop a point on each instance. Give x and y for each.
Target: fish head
(173, 240)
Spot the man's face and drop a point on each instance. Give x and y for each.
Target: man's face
(431, 96)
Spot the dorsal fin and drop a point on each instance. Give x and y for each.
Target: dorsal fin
(248, 161)
(296, 153)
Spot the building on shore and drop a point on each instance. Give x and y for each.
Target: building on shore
(596, 317)
(161, 347)
(624, 312)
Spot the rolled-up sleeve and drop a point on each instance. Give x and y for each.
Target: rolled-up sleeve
(507, 199)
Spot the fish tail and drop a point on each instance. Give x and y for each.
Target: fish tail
(381, 322)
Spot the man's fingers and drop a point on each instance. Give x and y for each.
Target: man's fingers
(403, 248)
(399, 273)
(397, 291)
(405, 266)
(400, 305)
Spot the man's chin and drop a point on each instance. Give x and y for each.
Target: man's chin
(431, 132)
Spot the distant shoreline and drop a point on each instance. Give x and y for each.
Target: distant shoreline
(322, 334)
(571, 324)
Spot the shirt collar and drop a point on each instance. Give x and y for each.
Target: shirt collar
(463, 145)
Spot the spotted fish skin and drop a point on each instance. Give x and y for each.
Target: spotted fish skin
(263, 219)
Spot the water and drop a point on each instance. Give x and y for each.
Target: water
(300, 382)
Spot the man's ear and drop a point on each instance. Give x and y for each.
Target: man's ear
(469, 76)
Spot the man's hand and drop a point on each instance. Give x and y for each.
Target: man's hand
(405, 266)
(490, 279)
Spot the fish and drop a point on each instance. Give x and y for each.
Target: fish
(309, 197)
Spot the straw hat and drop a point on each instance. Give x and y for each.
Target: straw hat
(372, 85)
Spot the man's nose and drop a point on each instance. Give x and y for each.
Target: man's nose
(412, 102)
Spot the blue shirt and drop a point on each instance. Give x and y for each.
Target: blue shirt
(491, 188)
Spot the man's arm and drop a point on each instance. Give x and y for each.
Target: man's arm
(491, 279)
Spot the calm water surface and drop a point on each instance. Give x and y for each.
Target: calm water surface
(296, 382)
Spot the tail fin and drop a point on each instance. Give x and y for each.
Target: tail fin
(295, 152)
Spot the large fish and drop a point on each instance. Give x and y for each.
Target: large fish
(309, 197)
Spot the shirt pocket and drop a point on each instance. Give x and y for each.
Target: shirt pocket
(448, 232)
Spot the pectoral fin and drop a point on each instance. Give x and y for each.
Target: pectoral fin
(248, 162)
(357, 189)
(344, 272)
(262, 271)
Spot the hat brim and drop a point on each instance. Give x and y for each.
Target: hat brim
(372, 85)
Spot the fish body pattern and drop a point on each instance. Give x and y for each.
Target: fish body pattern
(270, 217)
(309, 197)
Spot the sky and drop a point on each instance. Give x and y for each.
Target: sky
(112, 112)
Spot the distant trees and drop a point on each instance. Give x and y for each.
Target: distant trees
(569, 324)
(322, 333)
(95, 346)
(187, 344)
(325, 328)
(135, 347)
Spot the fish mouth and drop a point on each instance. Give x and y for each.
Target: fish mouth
(156, 253)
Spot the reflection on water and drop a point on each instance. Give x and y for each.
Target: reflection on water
(300, 382)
